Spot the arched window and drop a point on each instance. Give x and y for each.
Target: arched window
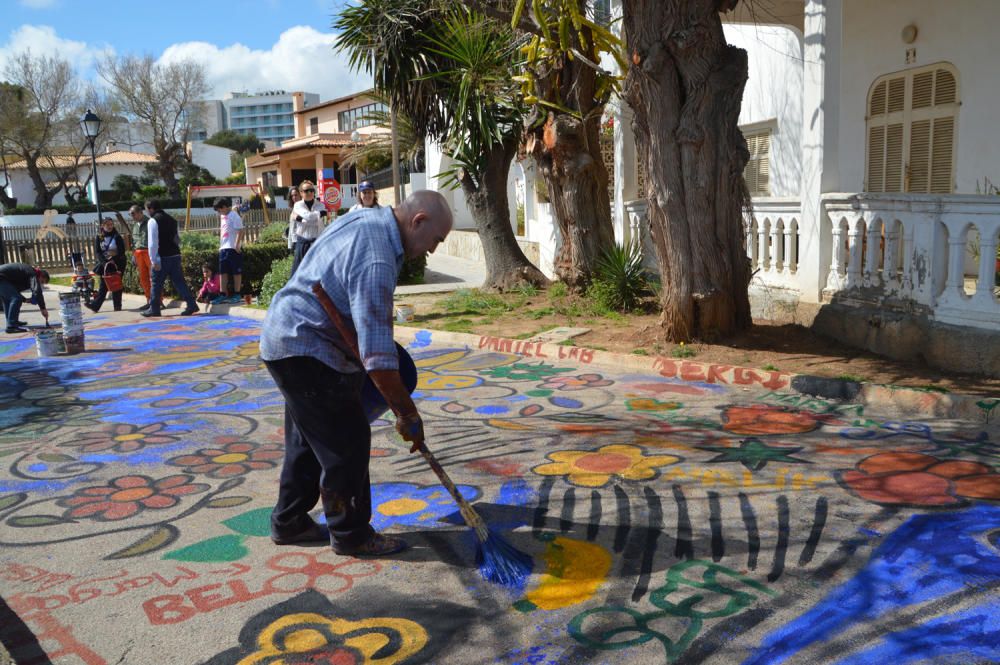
(912, 119)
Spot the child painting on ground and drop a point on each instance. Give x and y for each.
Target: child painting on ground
(210, 287)
(230, 252)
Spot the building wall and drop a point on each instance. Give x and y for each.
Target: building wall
(268, 116)
(327, 118)
(958, 32)
(213, 158)
(774, 54)
(21, 186)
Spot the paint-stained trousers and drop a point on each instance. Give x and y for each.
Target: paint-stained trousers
(327, 448)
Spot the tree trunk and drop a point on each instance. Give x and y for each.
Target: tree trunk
(43, 195)
(506, 265)
(685, 85)
(568, 156)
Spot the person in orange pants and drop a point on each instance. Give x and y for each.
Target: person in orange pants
(140, 250)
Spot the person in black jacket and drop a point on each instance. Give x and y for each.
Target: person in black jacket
(165, 257)
(109, 248)
(17, 277)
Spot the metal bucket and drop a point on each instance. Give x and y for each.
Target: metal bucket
(46, 343)
(74, 343)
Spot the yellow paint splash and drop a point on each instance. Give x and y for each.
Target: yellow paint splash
(575, 570)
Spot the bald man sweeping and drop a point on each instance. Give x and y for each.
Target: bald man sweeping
(327, 436)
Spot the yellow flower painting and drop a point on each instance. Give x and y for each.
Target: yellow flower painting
(595, 468)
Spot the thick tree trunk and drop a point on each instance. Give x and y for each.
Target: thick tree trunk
(43, 195)
(685, 85)
(568, 156)
(506, 265)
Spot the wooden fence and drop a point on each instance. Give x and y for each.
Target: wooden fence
(53, 253)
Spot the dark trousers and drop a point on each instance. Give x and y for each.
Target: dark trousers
(327, 448)
(11, 299)
(170, 266)
(301, 247)
(102, 292)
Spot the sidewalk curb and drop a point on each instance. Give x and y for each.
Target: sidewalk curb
(904, 402)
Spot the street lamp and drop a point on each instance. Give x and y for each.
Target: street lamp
(91, 128)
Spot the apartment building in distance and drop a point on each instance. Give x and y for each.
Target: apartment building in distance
(268, 115)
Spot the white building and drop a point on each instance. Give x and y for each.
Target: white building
(873, 145)
(110, 164)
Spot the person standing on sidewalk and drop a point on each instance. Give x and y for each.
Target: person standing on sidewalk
(17, 277)
(327, 435)
(140, 250)
(309, 215)
(165, 257)
(230, 252)
(109, 248)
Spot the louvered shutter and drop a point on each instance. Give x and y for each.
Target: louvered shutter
(758, 169)
(911, 132)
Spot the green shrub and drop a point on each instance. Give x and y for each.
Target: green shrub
(273, 232)
(257, 260)
(196, 241)
(620, 281)
(277, 277)
(413, 271)
(153, 192)
(558, 290)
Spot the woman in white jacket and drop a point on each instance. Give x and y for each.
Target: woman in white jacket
(310, 220)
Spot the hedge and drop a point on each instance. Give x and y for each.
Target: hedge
(257, 259)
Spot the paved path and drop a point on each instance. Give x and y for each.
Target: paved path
(668, 520)
(447, 273)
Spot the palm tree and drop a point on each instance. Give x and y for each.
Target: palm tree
(450, 71)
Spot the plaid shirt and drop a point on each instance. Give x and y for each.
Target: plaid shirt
(357, 260)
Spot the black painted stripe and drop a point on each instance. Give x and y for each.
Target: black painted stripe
(595, 515)
(715, 521)
(569, 505)
(819, 521)
(684, 548)
(753, 536)
(781, 548)
(649, 551)
(544, 490)
(624, 517)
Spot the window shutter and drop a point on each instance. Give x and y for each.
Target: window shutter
(757, 171)
(876, 159)
(911, 132)
(920, 154)
(941, 164)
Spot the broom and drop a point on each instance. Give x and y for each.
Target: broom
(498, 561)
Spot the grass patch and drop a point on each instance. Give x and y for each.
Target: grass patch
(473, 301)
(536, 314)
(769, 367)
(63, 280)
(683, 351)
(851, 377)
(640, 352)
(457, 325)
(526, 290)
(932, 389)
(558, 290)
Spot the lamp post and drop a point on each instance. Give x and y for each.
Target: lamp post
(91, 128)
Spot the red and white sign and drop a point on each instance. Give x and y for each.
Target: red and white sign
(330, 194)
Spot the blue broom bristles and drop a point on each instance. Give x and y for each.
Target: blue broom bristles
(501, 563)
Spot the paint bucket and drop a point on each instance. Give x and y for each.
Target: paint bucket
(74, 343)
(404, 312)
(60, 342)
(46, 343)
(71, 314)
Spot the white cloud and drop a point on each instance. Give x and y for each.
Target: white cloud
(38, 4)
(43, 40)
(302, 59)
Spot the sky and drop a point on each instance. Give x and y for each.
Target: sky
(245, 45)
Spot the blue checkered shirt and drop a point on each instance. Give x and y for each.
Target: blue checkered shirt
(357, 260)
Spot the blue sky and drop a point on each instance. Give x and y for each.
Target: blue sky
(245, 45)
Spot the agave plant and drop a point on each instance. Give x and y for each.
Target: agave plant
(620, 282)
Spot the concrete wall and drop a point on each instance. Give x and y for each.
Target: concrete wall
(961, 32)
(21, 186)
(212, 158)
(774, 55)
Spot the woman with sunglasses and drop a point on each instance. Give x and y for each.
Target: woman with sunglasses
(310, 220)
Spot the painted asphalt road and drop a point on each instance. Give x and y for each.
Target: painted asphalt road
(668, 520)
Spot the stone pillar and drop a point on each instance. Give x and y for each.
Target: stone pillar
(987, 262)
(788, 241)
(854, 246)
(764, 254)
(871, 271)
(626, 175)
(834, 279)
(955, 286)
(822, 36)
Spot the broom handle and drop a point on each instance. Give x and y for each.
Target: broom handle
(469, 514)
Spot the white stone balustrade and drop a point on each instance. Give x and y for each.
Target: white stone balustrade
(913, 247)
(773, 240)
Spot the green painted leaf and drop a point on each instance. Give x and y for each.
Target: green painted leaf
(159, 538)
(202, 387)
(253, 523)
(10, 451)
(55, 457)
(233, 397)
(228, 501)
(12, 500)
(221, 548)
(35, 520)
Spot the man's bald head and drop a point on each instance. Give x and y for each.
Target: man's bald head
(424, 220)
